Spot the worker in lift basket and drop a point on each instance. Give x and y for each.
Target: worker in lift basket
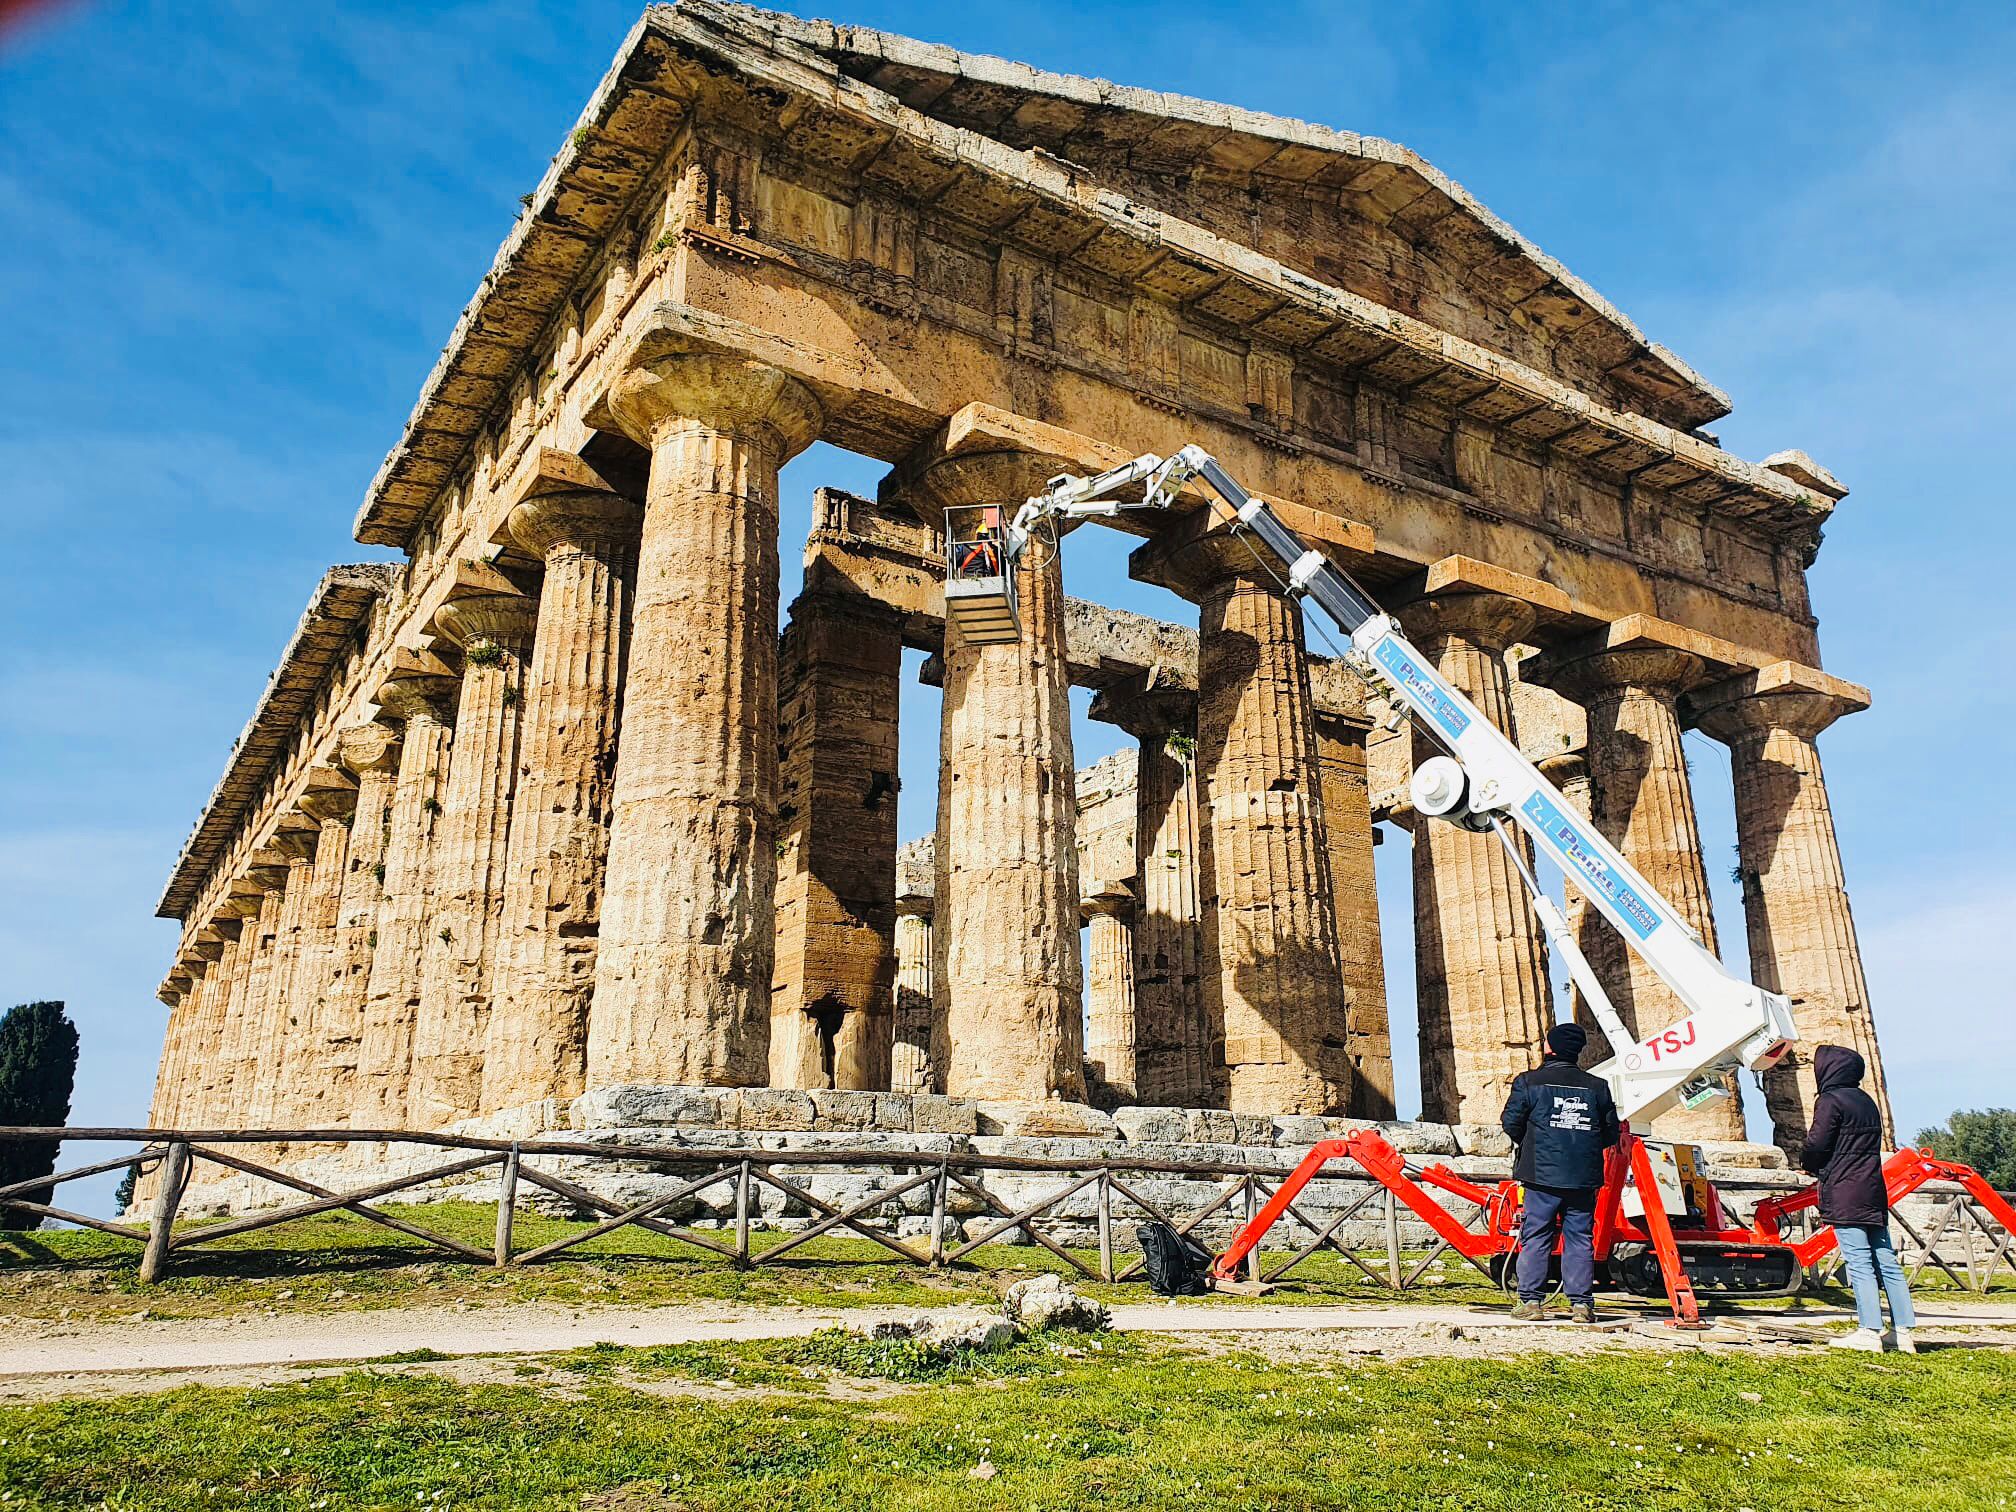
(1844, 1148)
(1562, 1119)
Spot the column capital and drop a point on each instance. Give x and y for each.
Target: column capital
(737, 396)
(984, 455)
(1785, 696)
(1147, 712)
(369, 748)
(1110, 898)
(505, 620)
(1491, 621)
(583, 519)
(1661, 671)
(419, 685)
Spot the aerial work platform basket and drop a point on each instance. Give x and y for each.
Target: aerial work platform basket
(980, 575)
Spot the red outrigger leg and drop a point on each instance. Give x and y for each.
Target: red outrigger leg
(1679, 1290)
(1903, 1173)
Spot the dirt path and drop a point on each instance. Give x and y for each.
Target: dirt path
(40, 1360)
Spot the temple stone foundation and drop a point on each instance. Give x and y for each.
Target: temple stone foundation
(551, 824)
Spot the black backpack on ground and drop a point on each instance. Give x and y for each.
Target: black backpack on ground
(1176, 1266)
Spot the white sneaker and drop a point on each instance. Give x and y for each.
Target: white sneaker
(1900, 1340)
(1865, 1339)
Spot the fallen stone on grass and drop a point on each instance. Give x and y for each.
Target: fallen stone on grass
(945, 1333)
(1049, 1301)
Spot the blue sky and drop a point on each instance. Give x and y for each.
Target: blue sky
(234, 237)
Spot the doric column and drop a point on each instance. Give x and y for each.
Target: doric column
(910, 1048)
(1110, 1032)
(1272, 971)
(1008, 978)
(174, 1051)
(371, 752)
(842, 668)
(466, 899)
(421, 696)
(246, 1034)
(1483, 998)
(1795, 898)
(272, 1094)
(1175, 1056)
(1641, 800)
(329, 801)
(211, 1078)
(688, 939)
(536, 1044)
(1347, 823)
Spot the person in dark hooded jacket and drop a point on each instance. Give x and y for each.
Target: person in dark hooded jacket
(1562, 1119)
(1844, 1148)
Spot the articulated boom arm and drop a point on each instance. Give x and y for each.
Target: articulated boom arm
(1488, 785)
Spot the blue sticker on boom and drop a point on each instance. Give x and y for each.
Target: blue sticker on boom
(1572, 849)
(1421, 689)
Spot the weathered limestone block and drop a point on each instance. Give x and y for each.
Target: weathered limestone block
(1176, 1055)
(371, 752)
(421, 696)
(1795, 897)
(1007, 973)
(1480, 956)
(688, 941)
(466, 898)
(535, 1045)
(832, 1007)
(1272, 964)
(1110, 1033)
(1347, 823)
(1642, 802)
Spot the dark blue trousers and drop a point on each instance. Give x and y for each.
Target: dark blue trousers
(1571, 1213)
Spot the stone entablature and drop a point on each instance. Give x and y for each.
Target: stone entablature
(554, 807)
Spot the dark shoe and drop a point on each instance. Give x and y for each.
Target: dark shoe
(1582, 1312)
(1529, 1312)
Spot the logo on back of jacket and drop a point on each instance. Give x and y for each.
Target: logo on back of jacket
(1571, 1111)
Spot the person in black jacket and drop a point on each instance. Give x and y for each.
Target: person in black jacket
(1562, 1119)
(1844, 1148)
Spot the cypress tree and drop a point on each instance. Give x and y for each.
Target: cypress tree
(38, 1069)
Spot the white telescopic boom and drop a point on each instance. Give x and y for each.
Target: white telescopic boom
(1728, 1023)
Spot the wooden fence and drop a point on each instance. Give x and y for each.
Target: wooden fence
(1236, 1192)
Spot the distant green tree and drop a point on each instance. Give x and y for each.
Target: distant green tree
(38, 1070)
(1984, 1138)
(122, 1199)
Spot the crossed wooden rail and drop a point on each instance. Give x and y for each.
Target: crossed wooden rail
(173, 1154)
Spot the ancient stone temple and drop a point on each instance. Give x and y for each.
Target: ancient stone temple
(554, 804)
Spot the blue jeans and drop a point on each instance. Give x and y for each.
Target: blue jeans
(1868, 1254)
(1571, 1213)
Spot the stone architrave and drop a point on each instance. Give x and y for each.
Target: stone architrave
(305, 1061)
(1643, 803)
(465, 901)
(1174, 1054)
(421, 695)
(688, 940)
(1484, 1001)
(842, 667)
(371, 752)
(1008, 976)
(1110, 1025)
(536, 1044)
(1272, 972)
(1795, 897)
(1347, 822)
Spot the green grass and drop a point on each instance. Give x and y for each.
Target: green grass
(1135, 1424)
(338, 1262)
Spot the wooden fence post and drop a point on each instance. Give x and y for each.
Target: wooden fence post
(742, 1195)
(939, 1190)
(1105, 1226)
(1392, 1241)
(1252, 1212)
(507, 1205)
(174, 1177)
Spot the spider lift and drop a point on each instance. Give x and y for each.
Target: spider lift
(1660, 1226)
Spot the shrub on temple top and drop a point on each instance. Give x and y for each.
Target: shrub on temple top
(38, 1069)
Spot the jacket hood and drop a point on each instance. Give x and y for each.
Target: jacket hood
(1836, 1067)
